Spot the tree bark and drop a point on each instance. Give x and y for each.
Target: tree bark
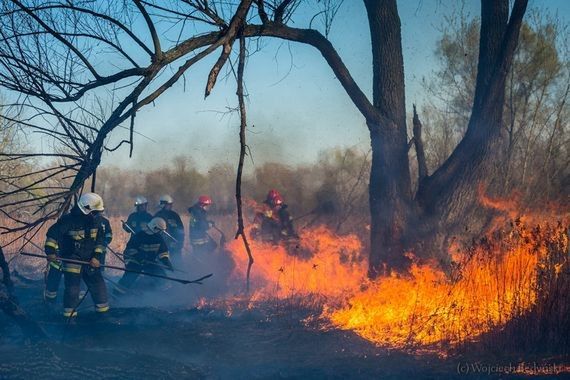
(387, 61)
(390, 185)
(389, 191)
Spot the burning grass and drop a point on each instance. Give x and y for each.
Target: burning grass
(322, 263)
(500, 278)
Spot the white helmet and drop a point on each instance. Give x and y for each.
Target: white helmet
(156, 225)
(165, 199)
(89, 202)
(140, 200)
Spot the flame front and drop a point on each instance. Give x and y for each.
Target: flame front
(489, 285)
(334, 269)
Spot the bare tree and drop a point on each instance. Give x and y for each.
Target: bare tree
(536, 110)
(51, 56)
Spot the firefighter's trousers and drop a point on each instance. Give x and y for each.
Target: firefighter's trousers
(93, 278)
(53, 278)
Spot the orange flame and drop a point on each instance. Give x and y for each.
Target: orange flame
(493, 283)
(334, 268)
(496, 282)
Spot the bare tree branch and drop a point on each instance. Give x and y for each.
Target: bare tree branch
(155, 40)
(243, 147)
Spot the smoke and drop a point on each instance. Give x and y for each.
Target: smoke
(152, 292)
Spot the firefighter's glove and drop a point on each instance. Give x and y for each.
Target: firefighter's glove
(51, 258)
(94, 263)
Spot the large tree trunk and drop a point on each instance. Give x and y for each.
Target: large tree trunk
(390, 185)
(450, 196)
(389, 194)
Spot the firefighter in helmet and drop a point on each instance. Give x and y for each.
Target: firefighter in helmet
(145, 252)
(174, 227)
(201, 242)
(139, 218)
(272, 221)
(55, 268)
(78, 235)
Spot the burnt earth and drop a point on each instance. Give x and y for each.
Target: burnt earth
(185, 342)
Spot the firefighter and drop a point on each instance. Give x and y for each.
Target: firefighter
(145, 252)
(272, 221)
(79, 235)
(139, 218)
(201, 242)
(55, 269)
(174, 227)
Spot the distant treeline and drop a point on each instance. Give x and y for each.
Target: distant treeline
(335, 187)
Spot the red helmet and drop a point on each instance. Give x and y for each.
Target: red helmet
(204, 200)
(273, 197)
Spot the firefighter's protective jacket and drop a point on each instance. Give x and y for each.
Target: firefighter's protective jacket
(199, 225)
(274, 223)
(137, 221)
(76, 236)
(144, 248)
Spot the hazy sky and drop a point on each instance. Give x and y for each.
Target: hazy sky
(296, 107)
